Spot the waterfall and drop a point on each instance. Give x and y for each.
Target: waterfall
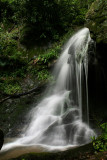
(62, 117)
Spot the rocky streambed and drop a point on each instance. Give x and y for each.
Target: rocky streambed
(85, 152)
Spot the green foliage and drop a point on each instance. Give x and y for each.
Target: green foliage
(22, 65)
(10, 87)
(80, 18)
(100, 143)
(47, 20)
(8, 43)
(90, 2)
(10, 53)
(5, 41)
(43, 60)
(5, 11)
(43, 75)
(43, 20)
(49, 56)
(12, 11)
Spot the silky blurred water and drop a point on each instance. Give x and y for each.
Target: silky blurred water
(57, 121)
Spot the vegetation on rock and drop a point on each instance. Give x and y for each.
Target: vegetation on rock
(97, 20)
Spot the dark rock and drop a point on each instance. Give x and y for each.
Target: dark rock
(1, 138)
(70, 116)
(92, 52)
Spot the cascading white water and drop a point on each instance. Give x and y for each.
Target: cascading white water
(58, 120)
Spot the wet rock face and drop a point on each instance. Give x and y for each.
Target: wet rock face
(92, 52)
(1, 138)
(97, 21)
(70, 116)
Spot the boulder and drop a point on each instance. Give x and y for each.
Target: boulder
(1, 138)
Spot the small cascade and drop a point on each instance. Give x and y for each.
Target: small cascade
(62, 117)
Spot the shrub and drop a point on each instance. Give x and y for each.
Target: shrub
(100, 143)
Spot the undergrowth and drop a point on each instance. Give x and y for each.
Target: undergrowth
(17, 62)
(100, 143)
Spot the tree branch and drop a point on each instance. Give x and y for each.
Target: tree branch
(13, 96)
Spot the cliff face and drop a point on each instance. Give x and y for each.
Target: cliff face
(97, 20)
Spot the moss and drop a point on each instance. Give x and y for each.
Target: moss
(96, 20)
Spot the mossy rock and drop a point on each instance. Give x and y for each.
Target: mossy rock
(97, 20)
